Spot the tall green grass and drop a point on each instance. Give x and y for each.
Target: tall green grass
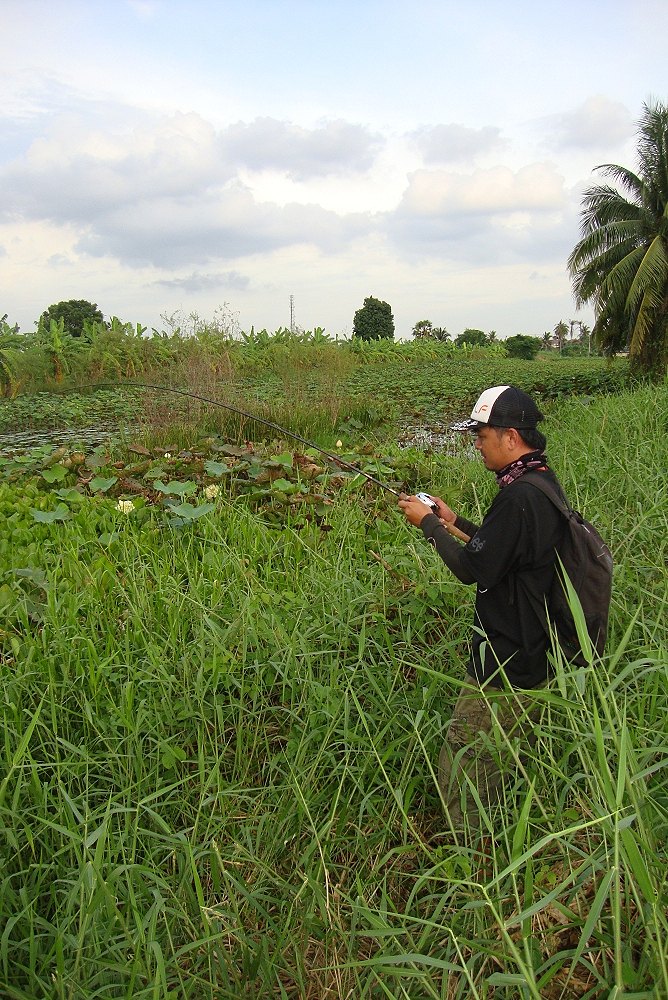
(219, 745)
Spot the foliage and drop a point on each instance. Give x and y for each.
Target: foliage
(474, 338)
(621, 262)
(220, 736)
(374, 321)
(313, 389)
(423, 328)
(440, 333)
(560, 333)
(223, 325)
(7, 379)
(523, 346)
(76, 315)
(9, 335)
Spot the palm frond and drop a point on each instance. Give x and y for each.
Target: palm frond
(651, 277)
(626, 178)
(620, 264)
(602, 205)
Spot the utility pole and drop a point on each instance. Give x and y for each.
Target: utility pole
(292, 314)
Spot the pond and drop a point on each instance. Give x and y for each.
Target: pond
(436, 437)
(19, 442)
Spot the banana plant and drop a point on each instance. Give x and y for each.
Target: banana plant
(8, 383)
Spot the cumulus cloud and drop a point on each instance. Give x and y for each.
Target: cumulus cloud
(331, 148)
(487, 215)
(494, 191)
(169, 195)
(75, 174)
(452, 143)
(597, 124)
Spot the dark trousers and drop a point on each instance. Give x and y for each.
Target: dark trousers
(490, 732)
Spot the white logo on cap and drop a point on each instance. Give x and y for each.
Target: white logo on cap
(486, 402)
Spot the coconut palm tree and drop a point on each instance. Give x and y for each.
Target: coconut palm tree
(560, 334)
(621, 263)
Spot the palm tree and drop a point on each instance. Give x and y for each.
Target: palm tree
(621, 263)
(440, 333)
(560, 333)
(585, 336)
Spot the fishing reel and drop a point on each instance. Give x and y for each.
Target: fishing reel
(428, 501)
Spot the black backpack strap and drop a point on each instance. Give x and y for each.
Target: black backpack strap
(551, 491)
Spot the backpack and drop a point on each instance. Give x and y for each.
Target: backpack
(585, 558)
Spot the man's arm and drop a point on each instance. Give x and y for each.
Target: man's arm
(450, 551)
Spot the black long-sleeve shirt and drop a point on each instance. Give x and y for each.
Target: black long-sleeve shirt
(510, 553)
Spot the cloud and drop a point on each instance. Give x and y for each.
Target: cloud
(597, 124)
(487, 215)
(497, 190)
(452, 143)
(198, 282)
(223, 224)
(168, 195)
(144, 10)
(77, 174)
(332, 148)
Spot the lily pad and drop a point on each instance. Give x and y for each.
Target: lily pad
(71, 493)
(216, 469)
(284, 486)
(175, 487)
(101, 485)
(184, 513)
(55, 474)
(230, 449)
(61, 513)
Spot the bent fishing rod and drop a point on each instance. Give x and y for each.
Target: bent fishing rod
(336, 459)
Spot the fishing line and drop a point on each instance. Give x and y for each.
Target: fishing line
(244, 413)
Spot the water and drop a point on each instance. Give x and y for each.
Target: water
(436, 437)
(87, 438)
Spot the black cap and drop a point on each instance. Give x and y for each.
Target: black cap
(501, 406)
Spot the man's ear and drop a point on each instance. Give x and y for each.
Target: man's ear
(514, 439)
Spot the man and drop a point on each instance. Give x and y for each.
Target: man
(511, 558)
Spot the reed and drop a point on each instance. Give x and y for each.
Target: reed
(219, 744)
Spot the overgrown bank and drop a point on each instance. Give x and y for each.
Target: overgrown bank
(220, 738)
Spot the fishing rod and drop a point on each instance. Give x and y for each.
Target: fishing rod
(336, 459)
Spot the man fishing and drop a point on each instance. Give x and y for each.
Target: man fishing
(511, 559)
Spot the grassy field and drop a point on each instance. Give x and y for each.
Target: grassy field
(220, 734)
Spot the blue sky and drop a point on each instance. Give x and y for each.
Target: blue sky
(164, 157)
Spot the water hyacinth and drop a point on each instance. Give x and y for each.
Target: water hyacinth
(125, 506)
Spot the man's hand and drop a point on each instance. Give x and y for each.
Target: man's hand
(415, 510)
(445, 513)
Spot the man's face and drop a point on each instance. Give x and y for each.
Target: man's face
(493, 446)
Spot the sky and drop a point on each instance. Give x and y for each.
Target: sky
(262, 162)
